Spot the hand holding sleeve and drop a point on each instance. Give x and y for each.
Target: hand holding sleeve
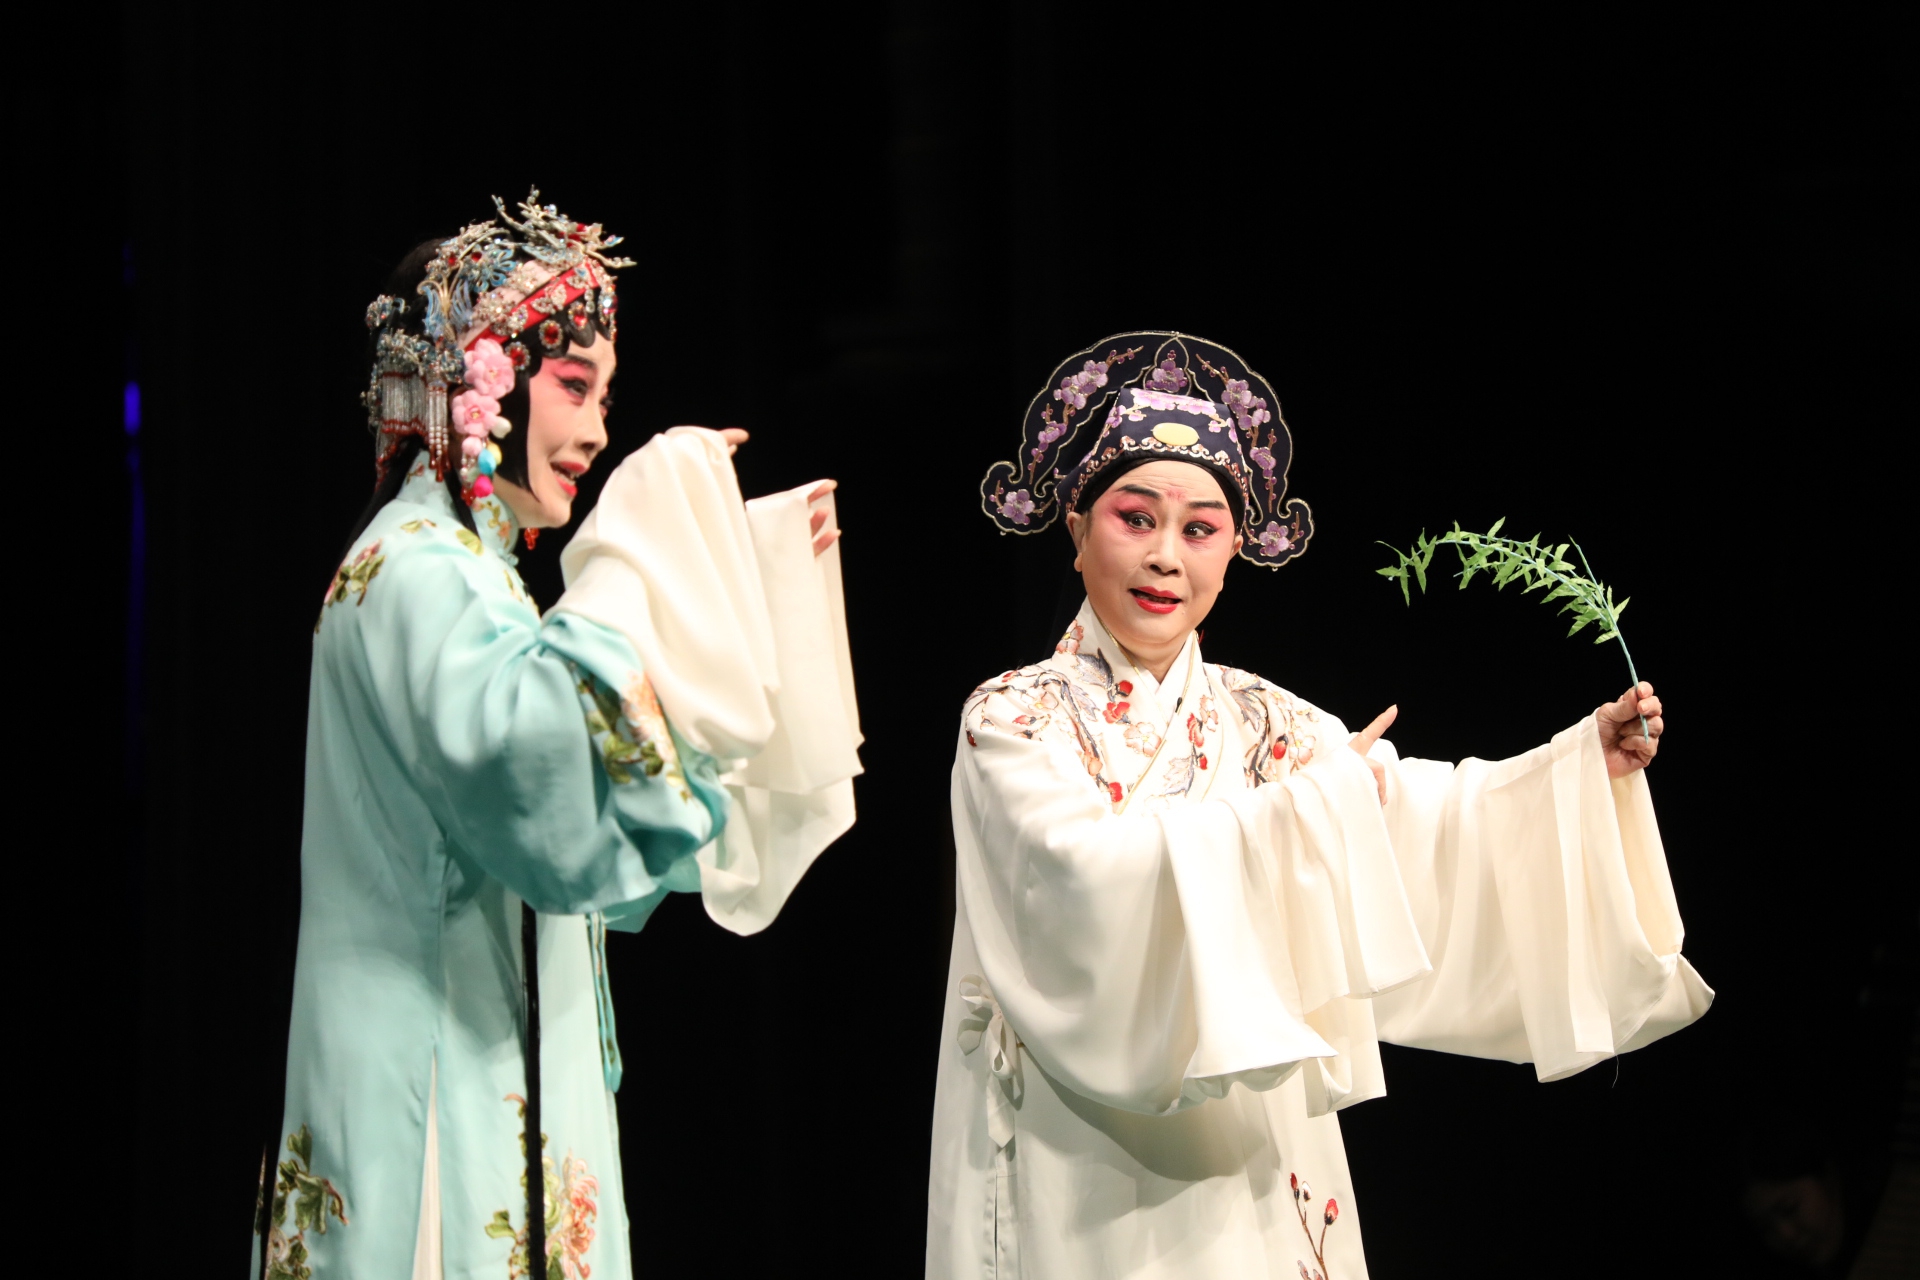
(742, 630)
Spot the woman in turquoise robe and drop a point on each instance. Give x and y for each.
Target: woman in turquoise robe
(458, 764)
(466, 757)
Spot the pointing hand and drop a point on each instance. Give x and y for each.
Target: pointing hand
(1363, 742)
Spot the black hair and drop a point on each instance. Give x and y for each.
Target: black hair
(1104, 480)
(577, 325)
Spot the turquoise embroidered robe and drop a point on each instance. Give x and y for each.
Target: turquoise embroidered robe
(463, 756)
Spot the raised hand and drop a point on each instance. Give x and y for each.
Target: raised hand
(735, 437)
(1363, 742)
(817, 522)
(1625, 746)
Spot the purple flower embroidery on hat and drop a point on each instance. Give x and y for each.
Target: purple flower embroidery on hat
(1169, 377)
(1073, 389)
(1017, 507)
(1144, 399)
(1273, 539)
(1250, 409)
(1054, 431)
(1263, 458)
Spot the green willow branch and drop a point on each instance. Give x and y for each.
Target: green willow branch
(1534, 566)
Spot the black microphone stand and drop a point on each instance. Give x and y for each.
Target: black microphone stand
(536, 1174)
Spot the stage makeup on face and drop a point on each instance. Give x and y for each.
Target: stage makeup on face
(1153, 552)
(567, 405)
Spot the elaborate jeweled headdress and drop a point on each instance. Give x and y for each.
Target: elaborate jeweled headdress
(1157, 395)
(484, 290)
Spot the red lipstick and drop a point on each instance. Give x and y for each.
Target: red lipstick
(1153, 601)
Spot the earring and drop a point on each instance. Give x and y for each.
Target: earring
(532, 536)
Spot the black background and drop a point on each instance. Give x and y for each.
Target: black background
(1631, 278)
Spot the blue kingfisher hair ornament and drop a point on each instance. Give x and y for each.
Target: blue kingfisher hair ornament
(1156, 396)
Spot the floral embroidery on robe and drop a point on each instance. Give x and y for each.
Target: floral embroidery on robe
(353, 578)
(1077, 696)
(313, 1200)
(571, 1211)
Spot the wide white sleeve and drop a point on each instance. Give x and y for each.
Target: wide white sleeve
(1149, 961)
(1540, 888)
(742, 631)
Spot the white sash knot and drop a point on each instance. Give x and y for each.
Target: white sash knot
(984, 1024)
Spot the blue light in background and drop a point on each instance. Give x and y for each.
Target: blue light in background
(134, 693)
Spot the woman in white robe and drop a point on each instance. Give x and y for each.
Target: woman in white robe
(1190, 903)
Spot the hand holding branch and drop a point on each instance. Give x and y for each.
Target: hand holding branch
(1622, 738)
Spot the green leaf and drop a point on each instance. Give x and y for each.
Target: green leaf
(1537, 567)
(501, 1228)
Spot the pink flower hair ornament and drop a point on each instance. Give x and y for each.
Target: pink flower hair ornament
(475, 417)
(488, 370)
(478, 415)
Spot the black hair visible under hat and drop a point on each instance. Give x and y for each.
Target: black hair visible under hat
(1102, 482)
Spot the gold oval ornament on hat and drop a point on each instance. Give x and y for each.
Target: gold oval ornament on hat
(1176, 434)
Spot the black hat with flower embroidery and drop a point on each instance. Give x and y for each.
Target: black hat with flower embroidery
(1159, 396)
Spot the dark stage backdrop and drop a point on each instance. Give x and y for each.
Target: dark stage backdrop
(1637, 281)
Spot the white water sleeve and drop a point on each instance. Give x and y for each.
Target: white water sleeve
(1541, 892)
(1149, 961)
(742, 631)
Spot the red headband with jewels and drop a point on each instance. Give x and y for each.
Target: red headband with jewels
(521, 304)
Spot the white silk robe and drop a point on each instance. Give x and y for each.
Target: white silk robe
(1184, 924)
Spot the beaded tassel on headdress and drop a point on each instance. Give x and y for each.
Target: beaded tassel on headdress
(408, 395)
